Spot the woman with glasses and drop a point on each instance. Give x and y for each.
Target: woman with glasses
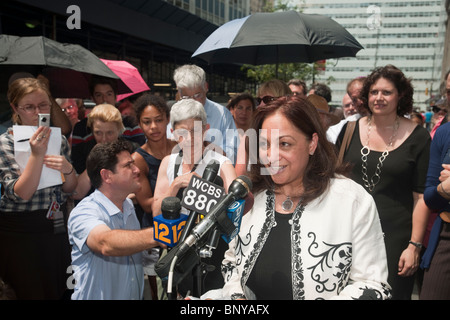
(271, 90)
(312, 233)
(73, 108)
(188, 120)
(34, 250)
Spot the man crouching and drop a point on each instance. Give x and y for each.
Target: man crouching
(104, 231)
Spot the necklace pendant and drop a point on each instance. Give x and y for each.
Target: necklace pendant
(287, 204)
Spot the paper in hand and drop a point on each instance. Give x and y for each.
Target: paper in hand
(22, 152)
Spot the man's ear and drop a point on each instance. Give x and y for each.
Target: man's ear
(106, 175)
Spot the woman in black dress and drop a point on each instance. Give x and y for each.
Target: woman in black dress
(389, 154)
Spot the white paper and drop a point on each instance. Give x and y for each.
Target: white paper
(22, 152)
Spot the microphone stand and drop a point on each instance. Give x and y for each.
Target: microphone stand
(200, 269)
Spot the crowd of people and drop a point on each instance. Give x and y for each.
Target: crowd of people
(348, 203)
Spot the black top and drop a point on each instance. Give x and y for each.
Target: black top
(271, 277)
(153, 166)
(403, 172)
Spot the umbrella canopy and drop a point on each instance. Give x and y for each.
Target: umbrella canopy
(278, 37)
(130, 76)
(67, 66)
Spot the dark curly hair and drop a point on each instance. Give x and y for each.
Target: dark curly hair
(150, 100)
(401, 83)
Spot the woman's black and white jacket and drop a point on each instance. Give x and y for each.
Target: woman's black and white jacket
(337, 246)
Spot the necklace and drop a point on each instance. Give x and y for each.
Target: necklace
(376, 177)
(287, 204)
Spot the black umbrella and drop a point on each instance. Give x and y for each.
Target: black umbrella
(278, 37)
(68, 67)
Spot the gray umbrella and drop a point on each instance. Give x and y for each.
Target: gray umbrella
(67, 66)
(278, 37)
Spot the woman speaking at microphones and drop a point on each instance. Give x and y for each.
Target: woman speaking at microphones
(312, 233)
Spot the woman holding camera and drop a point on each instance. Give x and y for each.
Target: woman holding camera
(34, 249)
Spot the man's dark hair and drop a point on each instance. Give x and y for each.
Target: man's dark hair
(104, 156)
(239, 97)
(321, 89)
(95, 80)
(298, 82)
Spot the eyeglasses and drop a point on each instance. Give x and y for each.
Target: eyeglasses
(266, 99)
(31, 108)
(67, 108)
(196, 96)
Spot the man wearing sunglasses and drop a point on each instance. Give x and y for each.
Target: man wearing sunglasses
(191, 84)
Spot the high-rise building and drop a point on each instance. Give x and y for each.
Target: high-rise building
(215, 11)
(407, 34)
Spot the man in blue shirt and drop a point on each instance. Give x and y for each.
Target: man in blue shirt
(104, 232)
(191, 84)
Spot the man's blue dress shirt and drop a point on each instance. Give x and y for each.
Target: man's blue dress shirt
(99, 277)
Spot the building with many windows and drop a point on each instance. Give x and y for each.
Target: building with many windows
(155, 36)
(215, 11)
(407, 34)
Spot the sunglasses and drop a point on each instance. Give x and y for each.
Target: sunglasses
(266, 99)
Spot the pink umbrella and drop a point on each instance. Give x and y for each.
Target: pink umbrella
(129, 75)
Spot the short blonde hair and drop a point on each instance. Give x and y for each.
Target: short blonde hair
(105, 113)
(275, 87)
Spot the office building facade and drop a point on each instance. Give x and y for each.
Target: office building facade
(407, 34)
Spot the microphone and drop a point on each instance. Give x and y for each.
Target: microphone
(238, 189)
(177, 264)
(214, 236)
(210, 174)
(169, 224)
(211, 170)
(230, 224)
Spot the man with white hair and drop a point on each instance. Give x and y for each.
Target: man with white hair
(191, 84)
